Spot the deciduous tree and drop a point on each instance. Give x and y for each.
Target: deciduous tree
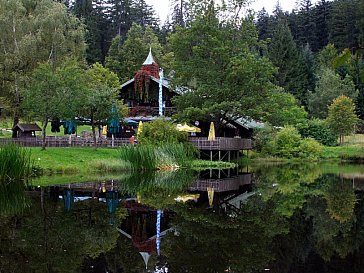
(342, 117)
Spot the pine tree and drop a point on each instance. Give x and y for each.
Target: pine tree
(321, 17)
(144, 15)
(97, 34)
(284, 54)
(306, 24)
(343, 28)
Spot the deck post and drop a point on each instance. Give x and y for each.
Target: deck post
(229, 155)
(210, 155)
(219, 155)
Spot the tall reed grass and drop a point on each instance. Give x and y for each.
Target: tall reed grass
(150, 157)
(15, 163)
(15, 169)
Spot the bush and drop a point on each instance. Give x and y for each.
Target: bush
(161, 131)
(318, 130)
(310, 149)
(262, 137)
(285, 143)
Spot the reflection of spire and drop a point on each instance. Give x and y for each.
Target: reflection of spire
(146, 257)
(158, 228)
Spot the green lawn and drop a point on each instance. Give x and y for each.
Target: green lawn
(344, 151)
(72, 160)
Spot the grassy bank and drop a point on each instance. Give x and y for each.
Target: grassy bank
(89, 160)
(346, 152)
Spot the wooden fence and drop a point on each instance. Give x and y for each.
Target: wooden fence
(222, 143)
(201, 143)
(58, 142)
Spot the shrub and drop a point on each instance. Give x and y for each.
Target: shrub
(286, 142)
(262, 137)
(161, 131)
(319, 130)
(310, 149)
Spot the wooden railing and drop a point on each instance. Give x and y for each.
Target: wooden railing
(58, 142)
(150, 111)
(222, 143)
(221, 185)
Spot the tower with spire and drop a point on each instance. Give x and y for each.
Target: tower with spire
(147, 91)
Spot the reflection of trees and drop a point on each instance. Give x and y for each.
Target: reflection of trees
(289, 184)
(159, 189)
(209, 242)
(341, 199)
(53, 241)
(12, 197)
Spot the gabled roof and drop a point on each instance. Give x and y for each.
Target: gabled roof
(249, 123)
(149, 60)
(165, 82)
(27, 127)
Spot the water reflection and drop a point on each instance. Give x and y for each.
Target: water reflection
(277, 219)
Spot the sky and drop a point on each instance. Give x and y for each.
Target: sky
(162, 6)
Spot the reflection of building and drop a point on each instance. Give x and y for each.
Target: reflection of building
(145, 226)
(224, 189)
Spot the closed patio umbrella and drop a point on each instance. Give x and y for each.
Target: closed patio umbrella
(211, 136)
(140, 128)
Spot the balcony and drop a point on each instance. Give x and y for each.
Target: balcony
(150, 111)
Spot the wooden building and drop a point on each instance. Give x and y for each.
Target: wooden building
(141, 92)
(26, 130)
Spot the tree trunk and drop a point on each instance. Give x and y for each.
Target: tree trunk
(16, 106)
(93, 131)
(44, 128)
(16, 82)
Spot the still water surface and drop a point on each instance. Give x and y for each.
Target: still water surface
(302, 218)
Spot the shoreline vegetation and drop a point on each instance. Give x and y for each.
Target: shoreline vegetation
(86, 161)
(89, 160)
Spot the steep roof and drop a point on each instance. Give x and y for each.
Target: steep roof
(28, 127)
(149, 60)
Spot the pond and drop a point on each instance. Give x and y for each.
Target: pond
(273, 218)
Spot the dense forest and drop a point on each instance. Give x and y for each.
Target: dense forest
(299, 60)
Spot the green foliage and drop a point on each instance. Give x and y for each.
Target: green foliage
(150, 157)
(15, 163)
(342, 117)
(125, 59)
(161, 131)
(328, 87)
(284, 54)
(327, 56)
(287, 143)
(284, 110)
(99, 75)
(219, 68)
(309, 148)
(263, 138)
(15, 169)
(318, 129)
(33, 32)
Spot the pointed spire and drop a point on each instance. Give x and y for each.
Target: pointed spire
(150, 59)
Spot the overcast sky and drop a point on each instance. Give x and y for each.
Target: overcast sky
(162, 6)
